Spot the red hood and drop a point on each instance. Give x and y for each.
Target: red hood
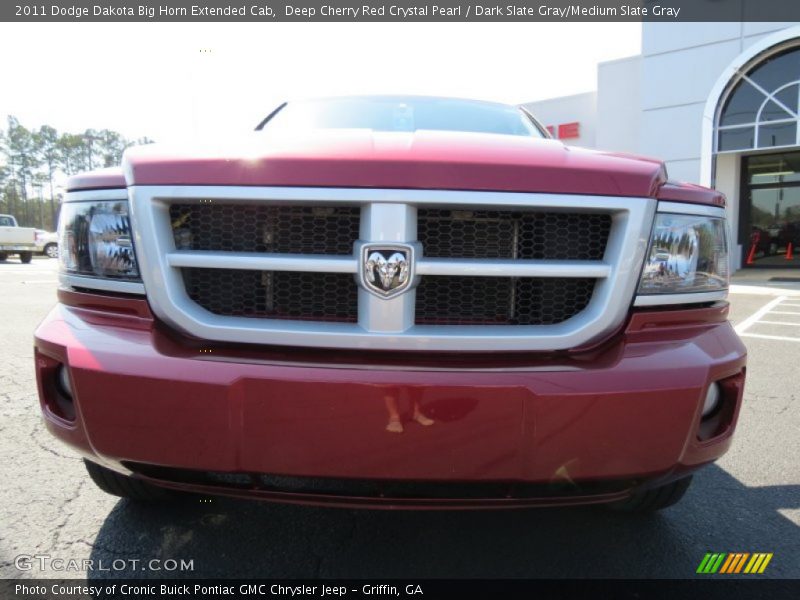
(423, 160)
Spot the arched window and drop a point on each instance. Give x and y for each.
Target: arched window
(763, 108)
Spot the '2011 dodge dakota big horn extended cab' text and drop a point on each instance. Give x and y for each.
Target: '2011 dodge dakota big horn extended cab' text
(392, 302)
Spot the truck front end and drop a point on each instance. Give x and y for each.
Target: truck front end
(417, 320)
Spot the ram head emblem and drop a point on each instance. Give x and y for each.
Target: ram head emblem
(386, 271)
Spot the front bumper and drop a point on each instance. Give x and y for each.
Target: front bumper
(294, 426)
(17, 248)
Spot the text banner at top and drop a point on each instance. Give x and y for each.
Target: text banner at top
(666, 11)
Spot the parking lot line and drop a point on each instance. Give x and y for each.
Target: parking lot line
(770, 337)
(784, 312)
(760, 290)
(779, 323)
(745, 325)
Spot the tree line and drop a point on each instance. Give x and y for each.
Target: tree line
(34, 161)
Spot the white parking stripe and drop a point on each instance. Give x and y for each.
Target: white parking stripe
(792, 305)
(767, 311)
(770, 337)
(744, 325)
(758, 290)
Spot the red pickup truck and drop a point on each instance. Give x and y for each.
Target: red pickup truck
(392, 302)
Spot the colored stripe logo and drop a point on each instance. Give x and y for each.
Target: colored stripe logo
(734, 562)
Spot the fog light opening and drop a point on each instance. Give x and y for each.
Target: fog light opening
(719, 407)
(711, 403)
(62, 403)
(64, 382)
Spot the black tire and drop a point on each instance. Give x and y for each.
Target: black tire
(655, 498)
(51, 250)
(125, 487)
(25, 257)
(3, 256)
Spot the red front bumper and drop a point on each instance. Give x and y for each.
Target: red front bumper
(626, 414)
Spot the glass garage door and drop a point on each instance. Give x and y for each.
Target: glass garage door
(771, 210)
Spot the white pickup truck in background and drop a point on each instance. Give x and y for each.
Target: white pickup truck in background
(16, 240)
(47, 243)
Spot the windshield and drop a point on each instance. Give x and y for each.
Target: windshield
(402, 114)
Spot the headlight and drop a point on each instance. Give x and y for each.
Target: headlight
(687, 254)
(95, 239)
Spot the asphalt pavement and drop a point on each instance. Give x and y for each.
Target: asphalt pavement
(748, 502)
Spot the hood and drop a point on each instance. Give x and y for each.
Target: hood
(361, 158)
(98, 179)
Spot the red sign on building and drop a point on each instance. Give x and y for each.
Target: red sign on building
(566, 131)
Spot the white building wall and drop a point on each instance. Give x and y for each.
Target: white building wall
(654, 104)
(569, 109)
(728, 179)
(694, 55)
(619, 105)
(680, 64)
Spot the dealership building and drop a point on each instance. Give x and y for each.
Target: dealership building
(720, 103)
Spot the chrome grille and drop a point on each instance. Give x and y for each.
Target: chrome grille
(492, 271)
(449, 300)
(513, 234)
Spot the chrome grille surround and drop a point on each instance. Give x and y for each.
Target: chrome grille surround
(389, 216)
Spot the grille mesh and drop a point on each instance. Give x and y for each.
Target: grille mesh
(456, 300)
(444, 233)
(274, 294)
(506, 234)
(264, 228)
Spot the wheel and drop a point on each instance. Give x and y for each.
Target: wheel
(25, 257)
(655, 498)
(126, 487)
(3, 256)
(51, 250)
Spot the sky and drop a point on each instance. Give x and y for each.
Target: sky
(177, 81)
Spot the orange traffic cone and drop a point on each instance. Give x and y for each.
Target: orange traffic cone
(789, 254)
(751, 255)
